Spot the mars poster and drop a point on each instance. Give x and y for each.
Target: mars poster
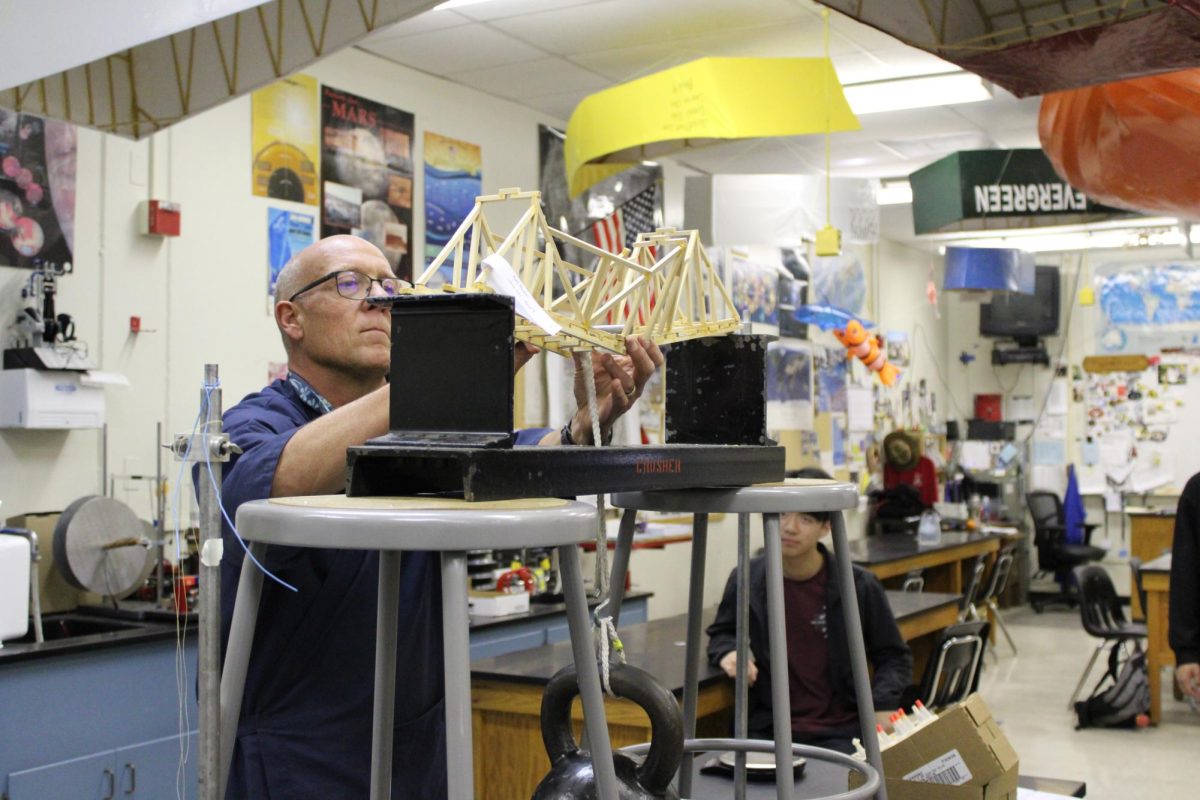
(37, 190)
(367, 174)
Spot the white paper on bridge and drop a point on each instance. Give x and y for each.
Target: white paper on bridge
(499, 275)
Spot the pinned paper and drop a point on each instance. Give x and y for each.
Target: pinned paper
(500, 277)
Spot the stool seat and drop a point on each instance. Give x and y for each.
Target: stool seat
(392, 525)
(415, 523)
(793, 494)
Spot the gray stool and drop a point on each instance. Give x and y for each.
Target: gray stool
(452, 527)
(770, 500)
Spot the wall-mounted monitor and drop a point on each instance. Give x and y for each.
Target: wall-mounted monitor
(1024, 317)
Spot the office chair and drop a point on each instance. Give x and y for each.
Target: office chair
(952, 671)
(1055, 554)
(1100, 610)
(996, 586)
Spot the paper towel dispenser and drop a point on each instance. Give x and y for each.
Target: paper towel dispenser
(49, 399)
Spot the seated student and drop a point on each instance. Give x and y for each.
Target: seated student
(824, 707)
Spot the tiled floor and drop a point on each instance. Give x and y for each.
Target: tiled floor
(1028, 696)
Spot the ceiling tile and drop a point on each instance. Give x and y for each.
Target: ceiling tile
(617, 24)
(529, 79)
(500, 9)
(452, 50)
(422, 23)
(559, 106)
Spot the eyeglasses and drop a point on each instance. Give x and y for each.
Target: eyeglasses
(353, 285)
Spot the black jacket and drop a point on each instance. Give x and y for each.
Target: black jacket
(886, 650)
(1184, 630)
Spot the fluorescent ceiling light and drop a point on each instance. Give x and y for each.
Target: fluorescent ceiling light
(945, 89)
(1094, 240)
(893, 193)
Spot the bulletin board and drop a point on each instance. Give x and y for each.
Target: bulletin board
(1142, 427)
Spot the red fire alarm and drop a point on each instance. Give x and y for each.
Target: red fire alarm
(159, 218)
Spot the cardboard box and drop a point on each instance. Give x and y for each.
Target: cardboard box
(498, 604)
(56, 594)
(963, 755)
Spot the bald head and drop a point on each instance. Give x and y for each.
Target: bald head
(331, 254)
(321, 258)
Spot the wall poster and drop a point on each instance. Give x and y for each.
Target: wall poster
(453, 179)
(287, 234)
(37, 190)
(367, 174)
(789, 386)
(285, 138)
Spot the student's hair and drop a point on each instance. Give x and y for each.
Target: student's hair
(813, 472)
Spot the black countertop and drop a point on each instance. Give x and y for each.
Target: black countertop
(896, 546)
(658, 646)
(123, 632)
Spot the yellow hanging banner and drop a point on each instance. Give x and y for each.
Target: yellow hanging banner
(699, 103)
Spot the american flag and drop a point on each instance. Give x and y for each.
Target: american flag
(620, 229)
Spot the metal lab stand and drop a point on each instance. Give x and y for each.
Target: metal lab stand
(770, 500)
(452, 527)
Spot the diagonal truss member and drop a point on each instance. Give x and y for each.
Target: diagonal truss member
(664, 288)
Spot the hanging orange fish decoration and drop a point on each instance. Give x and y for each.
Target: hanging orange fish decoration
(869, 350)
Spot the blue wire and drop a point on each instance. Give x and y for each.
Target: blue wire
(221, 505)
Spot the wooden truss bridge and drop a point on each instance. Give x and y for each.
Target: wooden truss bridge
(664, 287)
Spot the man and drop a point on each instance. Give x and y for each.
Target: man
(824, 709)
(305, 727)
(1183, 630)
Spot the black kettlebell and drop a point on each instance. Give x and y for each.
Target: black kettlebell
(571, 776)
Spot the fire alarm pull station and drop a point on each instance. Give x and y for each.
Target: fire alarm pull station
(159, 218)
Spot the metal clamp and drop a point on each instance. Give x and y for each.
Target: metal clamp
(207, 447)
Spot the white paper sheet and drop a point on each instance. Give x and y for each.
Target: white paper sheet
(975, 455)
(1059, 395)
(1051, 426)
(500, 276)
(1091, 480)
(860, 409)
(1049, 452)
(1020, 406)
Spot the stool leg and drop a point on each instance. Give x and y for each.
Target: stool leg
(620, 565)
(781, 701)
(387, 613)
(589, 678)
(694, 652)
(741, 687)
(858, 651)
(456, 633)
(237, 656)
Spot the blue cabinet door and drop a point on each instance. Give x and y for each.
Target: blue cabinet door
(88, 778)
(151, 770)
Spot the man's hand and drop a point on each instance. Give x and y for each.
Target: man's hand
(619, 383)
(522, 354)
(729, 665)
(1188, 676)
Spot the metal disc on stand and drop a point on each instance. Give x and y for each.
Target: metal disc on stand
(100, 546)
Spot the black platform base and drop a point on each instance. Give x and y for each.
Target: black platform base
(478, 474)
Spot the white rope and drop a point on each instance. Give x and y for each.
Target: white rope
(607, 636)
(605, 632)
(601, 581)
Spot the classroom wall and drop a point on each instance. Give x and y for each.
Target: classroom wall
(202, 297)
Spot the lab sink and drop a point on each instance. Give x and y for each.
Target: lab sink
(57, 627)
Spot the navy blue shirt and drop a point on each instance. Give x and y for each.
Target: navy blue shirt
(305, 726)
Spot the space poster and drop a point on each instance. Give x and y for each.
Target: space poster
(367, 174)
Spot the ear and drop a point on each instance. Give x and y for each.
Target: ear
(290, 320)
